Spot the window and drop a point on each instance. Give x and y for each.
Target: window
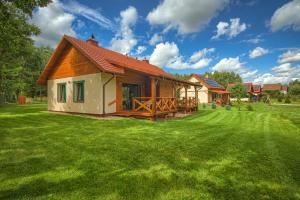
(61, 92)
(78, 91)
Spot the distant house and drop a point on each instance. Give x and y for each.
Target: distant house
(253, 91)
(257, 92)
(82, 77)
(275, 87)
(211, 91)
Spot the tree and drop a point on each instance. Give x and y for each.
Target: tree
(294, 88)
(16, 44)
(238, 91)
(225, 77)
(183, 77)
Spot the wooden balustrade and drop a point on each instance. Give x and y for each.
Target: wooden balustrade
(162, 104)
(190, 102)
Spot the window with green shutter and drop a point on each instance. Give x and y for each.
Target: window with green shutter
(61, 92)
(78, 91)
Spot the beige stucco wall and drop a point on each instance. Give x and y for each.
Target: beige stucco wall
(92, 94)
(203, 95)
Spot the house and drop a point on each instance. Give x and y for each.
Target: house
(83, 77)
(211, 91)
(257, 92)
(275, 87)
(249, 89)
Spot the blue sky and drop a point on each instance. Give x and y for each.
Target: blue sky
(255, 38)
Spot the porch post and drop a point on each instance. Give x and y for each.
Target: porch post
(186, 99)
(153, 96)
(196, 97)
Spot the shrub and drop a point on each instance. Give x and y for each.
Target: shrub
(287, 100)
(213, 106)
(280, 98)
(228, 107)
(204, 105)
(249, 107)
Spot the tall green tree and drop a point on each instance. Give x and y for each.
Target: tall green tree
(224, 78)
(15, 42)
(238, 91)
(294, 88)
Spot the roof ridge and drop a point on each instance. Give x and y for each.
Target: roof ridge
(120, 54)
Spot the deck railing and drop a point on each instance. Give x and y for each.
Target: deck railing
(189, 102)
(162, 104)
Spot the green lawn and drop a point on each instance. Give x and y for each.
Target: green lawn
(213, 154)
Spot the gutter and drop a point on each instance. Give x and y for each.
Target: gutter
(103, 93)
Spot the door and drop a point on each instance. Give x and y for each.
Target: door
(129, 91)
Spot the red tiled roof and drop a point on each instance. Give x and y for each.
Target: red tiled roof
(104, 59)
(119, 59)
(284, 88)
(257, 88)
(268, 87)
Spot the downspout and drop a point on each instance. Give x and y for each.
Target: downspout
(103, 93)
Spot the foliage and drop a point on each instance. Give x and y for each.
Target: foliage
(183, 77)
(224, 78)
(213, 105)
(228, 107)
(280, 98)
(52, 156)
(238, 91)
(294, 88)
(16, 45)
(273, 93)
(249, 107)
(287, 100)
(204, 105)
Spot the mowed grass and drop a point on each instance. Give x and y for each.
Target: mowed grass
(213, 154)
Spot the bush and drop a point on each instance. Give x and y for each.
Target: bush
(287, 100)
(280, 98)
(204, 105)
(213, 106)
(249, 107)
(228, 107)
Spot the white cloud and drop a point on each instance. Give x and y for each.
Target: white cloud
(283, 73)
(257, 52)
(57, 19)
(124, 41)
(228, 64)
(168, 55)
(255, 40)
(185, 16)
(156, 38)
(54, 22)
(231, 29)
(234, 65)
(290, 56)
(286, 16)
(88, 13)
(164, 53)
(201, 53)
(140, 50)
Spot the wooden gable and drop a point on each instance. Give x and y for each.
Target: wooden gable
(72, 63)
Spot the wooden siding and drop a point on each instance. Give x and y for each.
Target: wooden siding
(165, 88)
(72, 63)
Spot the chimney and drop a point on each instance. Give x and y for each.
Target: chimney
(92, 41)
(146, 60)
